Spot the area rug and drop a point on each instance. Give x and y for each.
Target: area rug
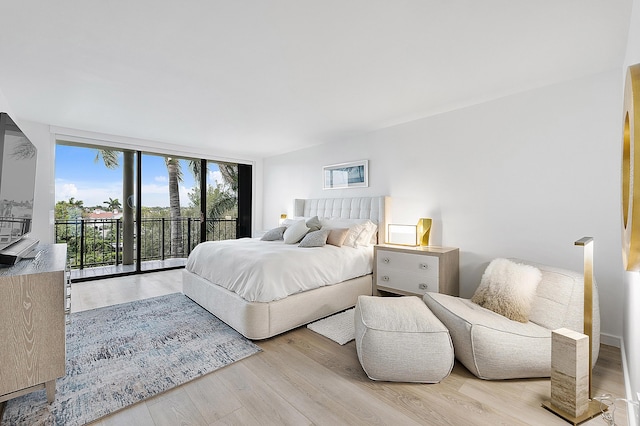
(122, 354)
(338, 327)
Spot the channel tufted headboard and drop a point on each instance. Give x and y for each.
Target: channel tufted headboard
(373, 208)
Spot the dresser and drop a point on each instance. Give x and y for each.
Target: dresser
(34, 308)
(413, 271)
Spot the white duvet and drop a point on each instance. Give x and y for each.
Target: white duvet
(263, 271)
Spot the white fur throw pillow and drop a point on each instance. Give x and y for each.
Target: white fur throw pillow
(508, 288)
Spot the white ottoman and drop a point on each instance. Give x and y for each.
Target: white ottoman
(398, 339)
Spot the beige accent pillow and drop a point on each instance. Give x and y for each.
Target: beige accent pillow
(337, 236)
(508, 288)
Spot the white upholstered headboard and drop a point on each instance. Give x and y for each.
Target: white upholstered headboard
(373, 208)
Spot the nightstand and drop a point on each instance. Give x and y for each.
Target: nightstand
(413, 271)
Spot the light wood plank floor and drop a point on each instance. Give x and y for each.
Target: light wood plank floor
(302, 378)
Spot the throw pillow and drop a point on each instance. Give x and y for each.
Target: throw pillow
(274, 234)
(295, 232)
(337, 236)
(354, 232)
(314, 224)
(367, 234)
(508, 288)
(315, 239)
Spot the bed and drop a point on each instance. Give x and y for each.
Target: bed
(256, 318)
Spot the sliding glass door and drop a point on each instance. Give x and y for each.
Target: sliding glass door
(155, 208)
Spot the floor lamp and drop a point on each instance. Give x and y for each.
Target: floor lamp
(571, 396)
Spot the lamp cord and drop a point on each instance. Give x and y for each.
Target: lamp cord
(607, 401)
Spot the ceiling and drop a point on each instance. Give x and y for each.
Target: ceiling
(262, 77)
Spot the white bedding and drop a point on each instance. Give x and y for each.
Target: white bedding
(264, 271)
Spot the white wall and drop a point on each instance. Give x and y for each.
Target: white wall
(522, 176)
(4, 105)
(632, 279)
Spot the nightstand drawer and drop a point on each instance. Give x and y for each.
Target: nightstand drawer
(407, 282)
(415, 263)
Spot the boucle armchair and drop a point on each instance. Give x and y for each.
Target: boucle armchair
(494, 347)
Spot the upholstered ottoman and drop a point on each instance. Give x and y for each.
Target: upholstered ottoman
(398, 339)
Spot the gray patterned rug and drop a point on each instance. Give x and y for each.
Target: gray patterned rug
(122, 354)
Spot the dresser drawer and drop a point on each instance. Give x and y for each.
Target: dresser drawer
(414, 263)
(407, 282)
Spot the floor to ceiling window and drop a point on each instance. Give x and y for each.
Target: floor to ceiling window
(125, 212)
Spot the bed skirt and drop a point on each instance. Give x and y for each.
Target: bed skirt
(260, 320)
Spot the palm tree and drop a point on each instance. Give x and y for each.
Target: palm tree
(175, 176)
(112, 204)
(109, 158)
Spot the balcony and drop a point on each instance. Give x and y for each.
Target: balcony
(94, 246)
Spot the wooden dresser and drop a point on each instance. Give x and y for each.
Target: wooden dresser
(34, 305)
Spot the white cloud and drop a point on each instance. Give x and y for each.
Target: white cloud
(94, 194)
(163, 179)
(64, 191)
(91, 194)
(215, 178)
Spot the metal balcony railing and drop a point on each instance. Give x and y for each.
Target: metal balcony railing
(98, 242)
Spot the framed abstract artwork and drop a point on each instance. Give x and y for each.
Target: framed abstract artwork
(346, 175)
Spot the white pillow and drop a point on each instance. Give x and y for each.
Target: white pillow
(288, 222)
(354, 232)
(508, 288)
(355, 226)
(367, 235)
(295, 232)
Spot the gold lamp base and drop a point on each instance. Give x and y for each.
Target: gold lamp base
(595, 408)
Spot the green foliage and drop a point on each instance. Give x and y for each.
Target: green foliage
(113, 204)
(68, 210)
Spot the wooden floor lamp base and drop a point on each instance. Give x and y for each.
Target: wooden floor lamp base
(595, 408)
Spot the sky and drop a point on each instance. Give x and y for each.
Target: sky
(78, 175)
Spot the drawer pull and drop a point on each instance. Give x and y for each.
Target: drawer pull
(386, 260)
(423, 266)
(423, 286)
(385, 278)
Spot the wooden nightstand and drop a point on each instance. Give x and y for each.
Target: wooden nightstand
(413, 271)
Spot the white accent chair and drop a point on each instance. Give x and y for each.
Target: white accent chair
(493, 347)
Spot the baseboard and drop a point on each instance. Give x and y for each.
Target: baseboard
(633, 412)
(610, 340)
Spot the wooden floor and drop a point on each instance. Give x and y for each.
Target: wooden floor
(302, 378)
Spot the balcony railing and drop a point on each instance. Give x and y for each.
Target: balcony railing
(98, 242)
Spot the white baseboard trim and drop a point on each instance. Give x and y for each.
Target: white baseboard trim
(610, 340)
(633, 412)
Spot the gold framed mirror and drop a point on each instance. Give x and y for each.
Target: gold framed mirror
(631, 179)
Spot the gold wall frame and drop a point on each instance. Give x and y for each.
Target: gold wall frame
(631, 171)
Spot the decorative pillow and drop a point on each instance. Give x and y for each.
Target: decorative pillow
(288, 222)
(274, 234)
(367, 234)
(315, 239)
(295, 232)
(314, 224)
(337, 236)
(508, 288)
(352, 235)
